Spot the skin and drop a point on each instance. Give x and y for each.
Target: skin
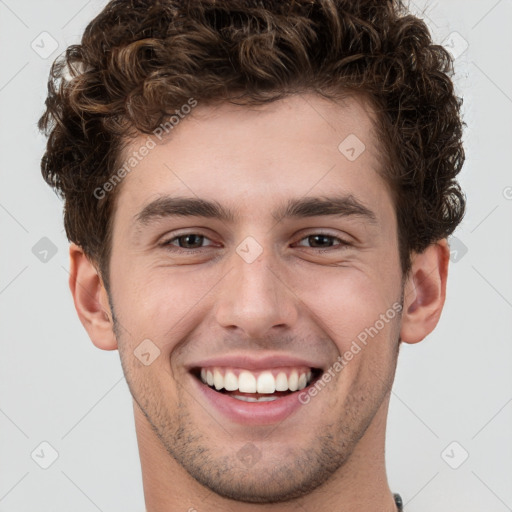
(293, 299)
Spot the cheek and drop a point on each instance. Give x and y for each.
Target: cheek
(161, 303)
(346, 302)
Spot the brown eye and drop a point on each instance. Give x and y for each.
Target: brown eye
(323, 241)
(320, 240)
(186, 241)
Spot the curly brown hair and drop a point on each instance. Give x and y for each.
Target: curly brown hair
(141, 59)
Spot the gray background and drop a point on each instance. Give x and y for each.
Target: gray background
(453, 392)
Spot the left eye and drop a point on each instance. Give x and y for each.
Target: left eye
(323, 240)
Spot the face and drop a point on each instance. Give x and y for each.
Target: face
(254, 255)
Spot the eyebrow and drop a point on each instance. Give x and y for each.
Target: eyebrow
(341, 206)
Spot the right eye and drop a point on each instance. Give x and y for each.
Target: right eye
(187, 242)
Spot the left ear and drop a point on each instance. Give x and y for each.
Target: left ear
(425, 292)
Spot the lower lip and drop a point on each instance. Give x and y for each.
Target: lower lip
(251, 413)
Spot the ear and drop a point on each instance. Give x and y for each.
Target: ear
(425, 292)
(91, 300)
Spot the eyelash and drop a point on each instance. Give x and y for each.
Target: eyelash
(168, 243)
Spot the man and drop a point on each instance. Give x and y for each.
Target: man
(258, 196)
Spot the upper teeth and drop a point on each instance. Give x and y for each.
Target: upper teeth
(246, 381)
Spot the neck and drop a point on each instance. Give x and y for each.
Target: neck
(360, 484)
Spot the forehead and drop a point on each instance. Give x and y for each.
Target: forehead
(249, 156)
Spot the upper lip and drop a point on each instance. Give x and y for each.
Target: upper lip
(250, 362)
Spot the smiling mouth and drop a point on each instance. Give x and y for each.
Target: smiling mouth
(261, 386)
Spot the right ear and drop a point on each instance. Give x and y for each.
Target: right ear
(91, 299)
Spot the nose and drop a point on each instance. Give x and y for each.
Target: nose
(254, 298)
